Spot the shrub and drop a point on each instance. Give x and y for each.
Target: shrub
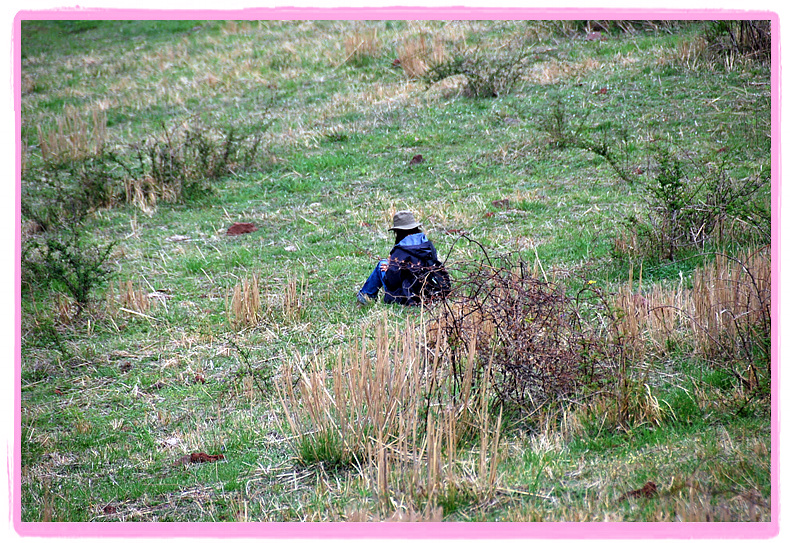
(543, 344)
(750, 39)
(488, 72)
(65, 257)
(694, 208)
(181, 162)
(567, 130)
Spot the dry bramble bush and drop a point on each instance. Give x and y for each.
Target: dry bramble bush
(543, 345)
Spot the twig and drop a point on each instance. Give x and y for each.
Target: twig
(138, 313)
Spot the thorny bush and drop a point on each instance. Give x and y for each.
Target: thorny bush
(539, 343)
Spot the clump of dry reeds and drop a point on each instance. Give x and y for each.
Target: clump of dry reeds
(129, 298)
(654, 320)
(143, 193)
(371, 408)
(724, 318)
(731, 301)
(362, 45)
(356, 397)
(416, 55)
(244, 305)
(295, 298)
(73, 137)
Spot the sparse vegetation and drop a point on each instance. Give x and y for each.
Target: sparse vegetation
(599, 191)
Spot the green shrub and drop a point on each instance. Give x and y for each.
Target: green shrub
(489, 72)
(690, 208)
(64, 256)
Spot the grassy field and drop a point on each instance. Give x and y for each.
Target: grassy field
(616, 178)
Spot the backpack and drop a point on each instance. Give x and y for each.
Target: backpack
(433, 281)
(415, 275)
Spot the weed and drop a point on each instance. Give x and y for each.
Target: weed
(69, 259)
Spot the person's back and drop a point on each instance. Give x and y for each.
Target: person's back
(412, 273)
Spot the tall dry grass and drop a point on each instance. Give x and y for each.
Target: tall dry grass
(376, 407)
(129, 298)
(731, 303)
(417, 54)
(358, 394)
(75, 135)
(295, 297)
(362, 44)
(243, 307)
(724, 317)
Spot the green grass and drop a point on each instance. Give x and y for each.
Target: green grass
(111, 399)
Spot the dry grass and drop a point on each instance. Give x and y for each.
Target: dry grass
(731, 303)
(417, 55)
(375, 408)
(243, 307)
(722, 315)
(131, 299)
(75, 136)
(295, 298)
(361, 45)
(652, 319)
(144, 194)
(425, 45)
(557, 71)
(353, 400)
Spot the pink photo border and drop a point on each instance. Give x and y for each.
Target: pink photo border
(347, 530)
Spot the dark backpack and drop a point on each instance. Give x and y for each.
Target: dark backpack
(415, 275)
(433, 281)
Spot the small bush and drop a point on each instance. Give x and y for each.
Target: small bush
(66, 258)
(489, 72)
(692, 208)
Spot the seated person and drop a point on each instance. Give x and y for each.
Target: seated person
(412, 273)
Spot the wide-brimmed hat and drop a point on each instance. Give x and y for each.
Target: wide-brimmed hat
(404, 220)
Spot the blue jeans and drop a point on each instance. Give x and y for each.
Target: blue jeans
(375, 282)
